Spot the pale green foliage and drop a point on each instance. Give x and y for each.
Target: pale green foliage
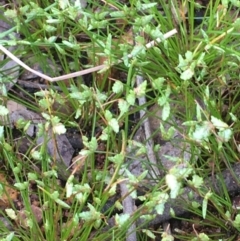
(112, 122)
(123, 107)
(3, 110)
(157, 202)
(188, 65)
(167, 237)
(9, 237)
(138, 147)
(23, 124)
(158, 83)
(141, 89)
(117, 159)
(173, 184)
(176, 174)
(201, 237)
(17, 169)
(11, 213)
(117, 87)
(167, 134)
(234, 2)
(1, 133)
(236, 222)
(196, 181)
(92, 216)
(80, 192)
(121, 219)
(149, 233)
(205, 202)
(196, 64)
(22, 186)
(36, 155)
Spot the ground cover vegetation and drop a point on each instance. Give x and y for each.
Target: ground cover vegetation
(154, 131)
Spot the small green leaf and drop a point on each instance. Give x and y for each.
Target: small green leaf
(108, 46)
(236, 24)
(60, 49)
(120, 219)
(162, 100)
(10, 13)
(233, 117)
(117, 87)
(62, 203)
(123, 107)
(91, 145)
(11, 213)
(54, 195)
(21, 186)
(108, 115)
(236, 3)
(205, 203)
(17, 169)
(203, 237)
(59, 129)
(71, 45)
(167, 135)
(53, 21)
(158, 83)
(173, 184)
(36, 155)
(196, 181)
(117, 14)
(9, 237)
(141, 89)
(149, 233)
(220, 125)
(202, 132)
(198, 112)
(205, 36)
(112, 190)
(69, 186)
(225, 135)
(117, 159)
(145, 6)
(50, 173)
(166, 111)
(195, 205)
(172, 212)
(63, 4)
(187, 74)
(167, 237)
(113, 123)
(49, 28)
(189, 56)
(137, 50)
(132, 178)
(225, 3)
(40, 183)
(190, 123)
(142, 175)
(162, 199)
(91, 215)
(46, 116)
(131, 97)
(118, 205)
(236, 222)
(1, 133)
(3, 110)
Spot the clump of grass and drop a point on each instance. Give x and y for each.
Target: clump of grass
(193, 69)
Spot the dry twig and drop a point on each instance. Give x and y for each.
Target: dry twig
(78, 73)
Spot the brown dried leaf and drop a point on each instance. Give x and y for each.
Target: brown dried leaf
(9, 194)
